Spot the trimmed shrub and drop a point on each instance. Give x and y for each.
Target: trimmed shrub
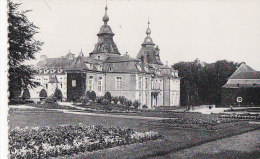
(145, 106)
(122, 99)
(99, 99)
(26, 94)
(108, 97)
(84, 99)
(43, 93)
(93, 96)
(128, 103)
(58, 94)
(136, 104)
(115, 100)
(88, 94)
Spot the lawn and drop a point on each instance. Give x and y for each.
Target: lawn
(174, 139)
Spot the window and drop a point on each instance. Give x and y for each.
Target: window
(73, 83)
(118, 83)
(140, 97)
(140, 82)
(146, 83)
(98, 57)
(90, 83)
(146, 99)
(99, 84)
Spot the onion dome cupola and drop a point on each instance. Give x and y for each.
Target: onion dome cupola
(148, 40)
(105, 42)
(148, 52)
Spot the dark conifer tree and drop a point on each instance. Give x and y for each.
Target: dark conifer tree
(22, 47)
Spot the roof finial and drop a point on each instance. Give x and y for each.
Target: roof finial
(148, 30)
(106, 18)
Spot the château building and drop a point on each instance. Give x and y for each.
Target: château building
(144, 78)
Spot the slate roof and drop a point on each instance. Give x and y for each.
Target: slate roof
(54, 63)
(242, 68)
(118, 58)
(247, 75)
(78, 65)
(244, 76)
(152, 58)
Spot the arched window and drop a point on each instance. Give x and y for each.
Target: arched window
(100, 84)
(90, 83)
(146, 83)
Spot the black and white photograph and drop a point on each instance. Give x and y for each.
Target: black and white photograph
(129, 79)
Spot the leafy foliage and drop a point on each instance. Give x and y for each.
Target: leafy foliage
(201, 82)
(58, 94)
(64, 140)
(121, 99)
(115, 100)
(108, 97)
(26, 94)
(43, 93)
(22, 47)
(136, 104)
(93, 96)
(51, 100)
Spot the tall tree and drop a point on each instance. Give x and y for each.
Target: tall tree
(190, 73)
(201, 82)
(22, 47)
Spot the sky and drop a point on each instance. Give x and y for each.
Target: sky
(184, 30)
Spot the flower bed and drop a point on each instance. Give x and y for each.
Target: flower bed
(63, 140)
(241, 116)
(190, 123)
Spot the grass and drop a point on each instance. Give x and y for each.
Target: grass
(174, 139)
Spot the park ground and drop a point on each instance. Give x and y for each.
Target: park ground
(239, 141)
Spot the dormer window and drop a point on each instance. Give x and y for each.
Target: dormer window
(60, 70)
(52, 70)
(98, 57)
(46, 71)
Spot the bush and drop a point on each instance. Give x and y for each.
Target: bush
(84, 99)
(145, 106)
(93, 96)
(88, 94)
(136, 104)
(43, 93)
(26, 94)
(51, 100)
(128, 103)
(105, 102)
(58, 94)
(108, 97)
(99, 99)
(122, 99)
(115, 100)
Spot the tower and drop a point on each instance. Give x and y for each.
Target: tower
(105, 45)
